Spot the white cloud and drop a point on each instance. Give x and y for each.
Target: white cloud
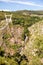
(22, 2)
(4, 10)
(5, 0)
(27, 3)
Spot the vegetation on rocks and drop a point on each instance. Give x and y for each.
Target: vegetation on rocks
(21, 41)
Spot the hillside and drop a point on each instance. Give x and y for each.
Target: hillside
(21, 39)
(34, 47)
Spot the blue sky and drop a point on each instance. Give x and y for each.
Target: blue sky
(14, 5)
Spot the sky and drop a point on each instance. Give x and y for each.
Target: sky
(14, 5)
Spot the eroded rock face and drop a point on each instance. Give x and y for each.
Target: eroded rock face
(3, 26)
(41, 60)
(18, 30)
(35, 30)
(9, 35)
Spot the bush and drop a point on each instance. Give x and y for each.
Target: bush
(35, 61)
(2, 51)
(6, 36)
(23, 62)
(38, 44)
(7, 61)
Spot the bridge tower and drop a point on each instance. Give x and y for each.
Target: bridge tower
(8, 18)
